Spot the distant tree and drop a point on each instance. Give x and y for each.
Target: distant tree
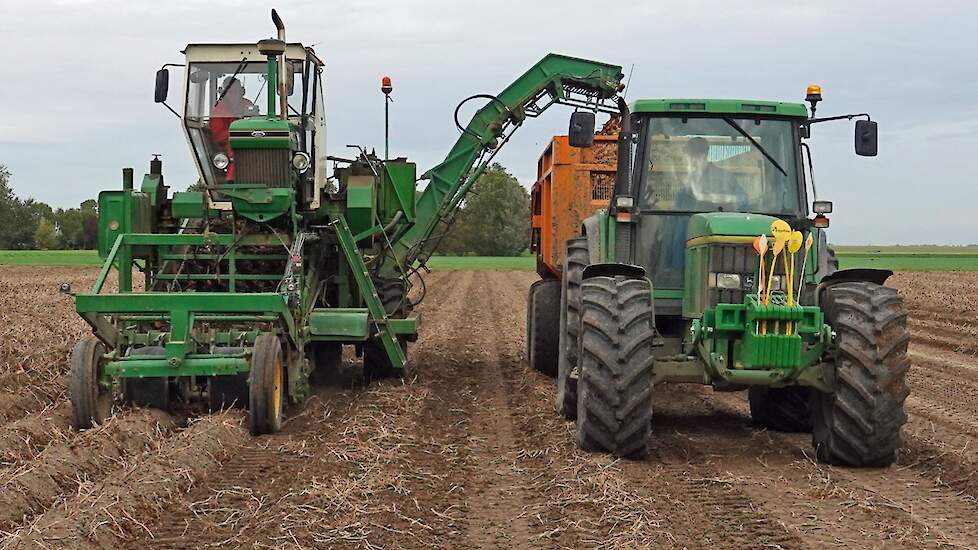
(78, 226)
(45, 236)
(494, 220)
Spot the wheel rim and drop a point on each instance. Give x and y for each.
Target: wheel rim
(277, 388)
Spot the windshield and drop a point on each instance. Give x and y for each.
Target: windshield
(220, 93)
(707, 165)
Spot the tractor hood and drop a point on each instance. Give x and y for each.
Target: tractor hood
(728, 224)
(260, 133)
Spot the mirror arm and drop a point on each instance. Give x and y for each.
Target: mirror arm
(176, 114)
(840, 117)
(811, 170)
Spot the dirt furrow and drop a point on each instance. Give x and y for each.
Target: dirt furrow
(108, 513)
(61, 468)
(903, 503)
(23, 439)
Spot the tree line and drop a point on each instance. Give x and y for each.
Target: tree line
(494, 220)
(31, 224)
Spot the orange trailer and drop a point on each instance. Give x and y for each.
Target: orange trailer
(572, 184)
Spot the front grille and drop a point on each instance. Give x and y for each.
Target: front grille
(732, 258)
(266, 166)
(742, 260)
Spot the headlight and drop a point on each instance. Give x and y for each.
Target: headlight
(221, 161)
(729, 281)
(300, 161)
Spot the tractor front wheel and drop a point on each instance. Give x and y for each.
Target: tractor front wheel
(614, 400)
(859, 423)
(782, 409)
(90, 402)
(266, 385)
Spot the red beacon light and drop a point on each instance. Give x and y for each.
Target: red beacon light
(386, 86)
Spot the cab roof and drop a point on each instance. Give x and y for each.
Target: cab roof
(236, 52)
(720, 106)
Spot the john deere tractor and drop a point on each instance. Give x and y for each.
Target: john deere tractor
(708, 266)
(251, 283)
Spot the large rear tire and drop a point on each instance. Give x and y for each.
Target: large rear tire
(576, 259)
(542, 325)
(266, 385)
(376, 364)
(859, 424)
(782, 409)
(614, 402)
(91, 403)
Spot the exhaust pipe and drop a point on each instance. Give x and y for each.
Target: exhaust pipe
(284, 72)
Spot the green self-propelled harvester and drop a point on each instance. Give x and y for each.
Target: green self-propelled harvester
(250, 285)
(665, 286)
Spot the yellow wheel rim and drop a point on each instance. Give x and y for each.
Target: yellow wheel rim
(277, 388)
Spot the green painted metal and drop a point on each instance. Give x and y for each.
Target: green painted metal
(369, 293)
(188, 204)
(260, 204)
(339, 324)
(728, 224)
(265, 132)
(721, 106)
(191, 366)
(449, 181)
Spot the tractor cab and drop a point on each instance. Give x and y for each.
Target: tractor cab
(254, 117)
(734, 161)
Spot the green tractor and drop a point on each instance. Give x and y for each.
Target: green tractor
(665, 285)
(251, 284)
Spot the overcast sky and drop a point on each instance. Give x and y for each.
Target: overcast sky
(76, 101)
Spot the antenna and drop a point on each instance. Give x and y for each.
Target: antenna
(628, 81)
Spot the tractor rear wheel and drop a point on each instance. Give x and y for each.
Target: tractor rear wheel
(91, 403)
(614, 402)
(376, 364)
(326, 358)
(575, 260)
(147, 392)
(859, 423)
(782, 409)
(542, 325)
(266, 385)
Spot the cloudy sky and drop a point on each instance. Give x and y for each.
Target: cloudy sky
(76, 101)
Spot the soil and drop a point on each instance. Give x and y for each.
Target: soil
(466, 451)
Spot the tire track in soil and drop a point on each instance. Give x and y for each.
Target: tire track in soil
(675, 498)
(497, 499)
(260, 497)
(855, 506)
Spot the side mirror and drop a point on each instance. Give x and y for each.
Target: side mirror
(581, 131)
(866, 138)
(162, 85)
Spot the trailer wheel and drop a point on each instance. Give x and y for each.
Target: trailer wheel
(782, 409)
(266, 385)
(575, 260)
(859, 424)
(91, 403)
(614, 402)
(146, 392)
(542, 325)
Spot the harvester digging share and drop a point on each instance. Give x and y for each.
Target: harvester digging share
(658, 281)
(252, 285)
